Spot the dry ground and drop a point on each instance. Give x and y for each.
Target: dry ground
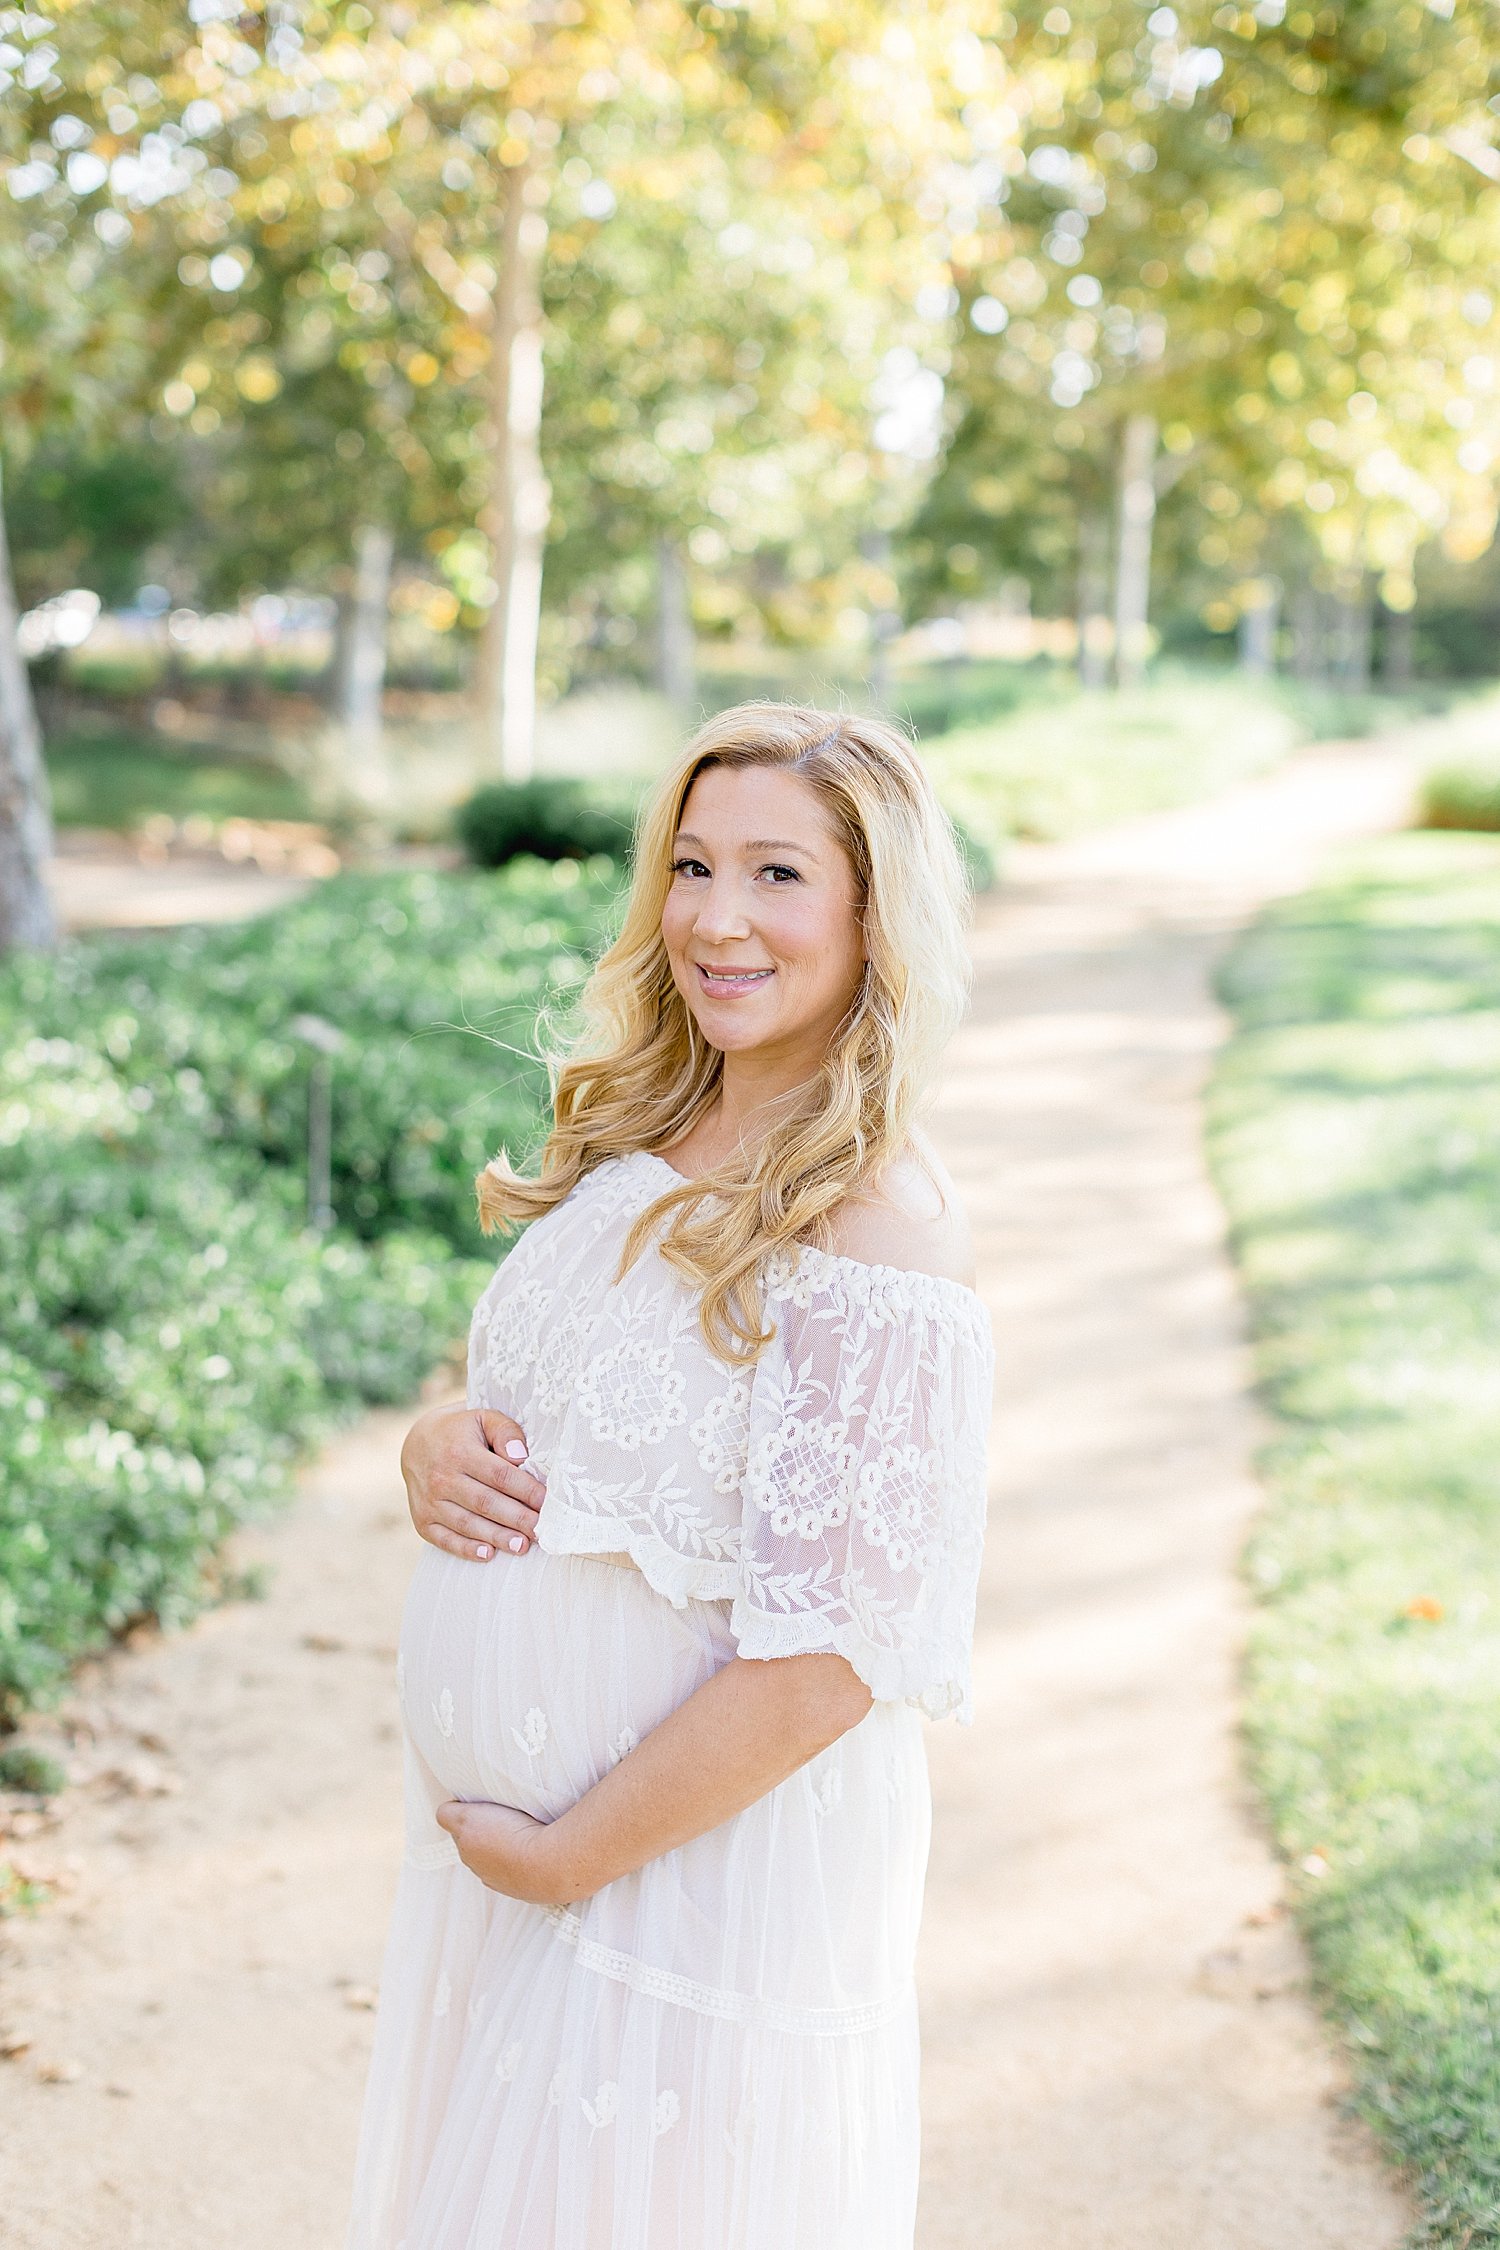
(1121, 2054)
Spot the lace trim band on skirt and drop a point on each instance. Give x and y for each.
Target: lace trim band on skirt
(713, 2000)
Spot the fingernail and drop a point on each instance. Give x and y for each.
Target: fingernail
(515, 1451)
(517, 1546)
(484, 1553)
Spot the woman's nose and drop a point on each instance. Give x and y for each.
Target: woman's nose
(721, 914)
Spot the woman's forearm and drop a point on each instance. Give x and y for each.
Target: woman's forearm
(741, 1735)
(733, 1741)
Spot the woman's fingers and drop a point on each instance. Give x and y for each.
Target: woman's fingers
(437, 1534)
(509, 1477)
(518, 1512)
(513, 1529)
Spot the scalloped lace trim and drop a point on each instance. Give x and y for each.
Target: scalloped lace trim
(715, 2000)
(679, 1578)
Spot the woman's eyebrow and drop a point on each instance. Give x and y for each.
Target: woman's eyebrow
(756, 844)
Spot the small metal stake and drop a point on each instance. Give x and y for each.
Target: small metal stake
(325, 1041)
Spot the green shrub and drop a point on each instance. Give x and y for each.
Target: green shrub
(22, 1767)
(549, 818)
(174, 1335)
(1461, 796)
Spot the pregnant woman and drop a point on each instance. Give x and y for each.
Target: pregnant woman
(704, 1544)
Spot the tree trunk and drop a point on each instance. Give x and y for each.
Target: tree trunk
(516, 517)
(1398, 653)
(1353, 627)
(1093, 598)
(26, 916)
(676, 666)
(1308, 647)
(1133, 554)
(1258, 621)
(362, 686)
(884, 624)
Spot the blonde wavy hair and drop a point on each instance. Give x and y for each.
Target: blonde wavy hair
(640, 1075)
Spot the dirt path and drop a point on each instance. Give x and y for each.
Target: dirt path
(1120, 2052)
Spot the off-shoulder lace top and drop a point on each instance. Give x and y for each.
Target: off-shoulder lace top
(833, 1492)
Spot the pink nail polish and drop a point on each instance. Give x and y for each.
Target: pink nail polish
(517, 1545)
(485, 1553)
(515, 1450)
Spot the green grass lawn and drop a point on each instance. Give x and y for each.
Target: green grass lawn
(1080, 760)
(119, 779)
(1356, 1136)
(1025, 753)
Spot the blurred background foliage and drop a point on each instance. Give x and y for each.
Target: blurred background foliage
(378, 368)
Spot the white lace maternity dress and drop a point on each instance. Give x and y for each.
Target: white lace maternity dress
(719, 2052)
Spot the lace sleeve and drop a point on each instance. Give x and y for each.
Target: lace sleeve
(864, 1492)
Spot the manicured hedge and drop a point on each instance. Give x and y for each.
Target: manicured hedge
(172, 1334)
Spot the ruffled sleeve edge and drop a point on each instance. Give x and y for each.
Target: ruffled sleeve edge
(912, 1676)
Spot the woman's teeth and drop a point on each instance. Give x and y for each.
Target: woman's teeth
(733, 980)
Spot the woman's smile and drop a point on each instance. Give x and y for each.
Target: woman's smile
(726, 983)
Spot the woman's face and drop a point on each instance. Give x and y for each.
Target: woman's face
(762, 924)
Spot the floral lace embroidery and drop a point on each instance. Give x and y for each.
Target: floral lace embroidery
(668, 2110)
(632, 1394)
(605, 2106)
(834, 1492)
(531, 1735)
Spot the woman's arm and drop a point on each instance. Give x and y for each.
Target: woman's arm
(467, 1485)
(734, 1740)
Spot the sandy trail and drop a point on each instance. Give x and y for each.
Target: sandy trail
(1120, 2051)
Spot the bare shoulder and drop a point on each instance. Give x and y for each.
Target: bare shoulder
(911, 1217)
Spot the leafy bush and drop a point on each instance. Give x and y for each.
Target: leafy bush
(175, 1336)
(22, 1767)
(549, 817)
(1462, 796)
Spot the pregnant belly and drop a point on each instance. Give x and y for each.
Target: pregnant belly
(524, 1679)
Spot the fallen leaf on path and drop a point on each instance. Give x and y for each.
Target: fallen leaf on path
(361, 1996)
(14, 2043)
(140, 1777)
(59, 2073)
(324, 1644)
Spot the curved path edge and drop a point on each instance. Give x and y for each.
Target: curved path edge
(1121, 2049)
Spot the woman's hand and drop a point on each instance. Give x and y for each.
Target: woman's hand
(506, 1849)
(467, 1485)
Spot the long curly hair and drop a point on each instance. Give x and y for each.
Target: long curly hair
(639, 1074)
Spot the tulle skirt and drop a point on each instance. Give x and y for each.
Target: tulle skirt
(716, 2053)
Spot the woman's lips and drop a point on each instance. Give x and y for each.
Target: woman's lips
(726, 983)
